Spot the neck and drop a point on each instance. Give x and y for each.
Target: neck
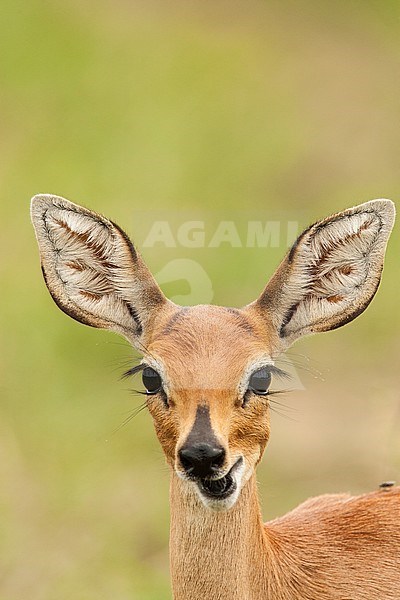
(216, 554)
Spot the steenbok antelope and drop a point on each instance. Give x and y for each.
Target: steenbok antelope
(207, 371)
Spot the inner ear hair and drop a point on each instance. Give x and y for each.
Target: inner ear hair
(92, 269)
(331, 273)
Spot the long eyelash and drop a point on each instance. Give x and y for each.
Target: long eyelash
(122, 362)
(137, 369)
(133, 370)
(129, 373)
(142, 348)
(279, 372)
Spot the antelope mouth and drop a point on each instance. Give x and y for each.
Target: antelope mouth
(219, 489)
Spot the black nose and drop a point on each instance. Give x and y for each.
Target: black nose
(201, 459)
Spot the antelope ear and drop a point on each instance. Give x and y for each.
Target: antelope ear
(91, 268)
(331, 273)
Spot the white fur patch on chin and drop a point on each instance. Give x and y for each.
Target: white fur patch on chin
(218, 505)
(226, 503)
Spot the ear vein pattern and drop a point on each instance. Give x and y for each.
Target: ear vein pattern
(336, 265)
(92, 272)
(207, 371)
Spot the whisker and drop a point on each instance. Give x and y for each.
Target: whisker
(118, 365)
(298, 363)
(274, 392)
(283, 406)
(129, 418)
(145, 350)
(306, 358)
(135, 369)
(140, 392)
(284, 415)
(120, 342)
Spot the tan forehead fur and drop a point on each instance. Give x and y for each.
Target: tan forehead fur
(208, 346)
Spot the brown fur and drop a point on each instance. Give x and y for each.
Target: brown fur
(334, 547)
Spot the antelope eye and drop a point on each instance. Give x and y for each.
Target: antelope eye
(260, 381)
(151, 380)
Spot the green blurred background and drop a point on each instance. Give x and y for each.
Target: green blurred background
(222, 110)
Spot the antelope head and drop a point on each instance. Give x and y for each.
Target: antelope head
(208, 369)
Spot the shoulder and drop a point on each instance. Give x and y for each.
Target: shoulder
(375, 513)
